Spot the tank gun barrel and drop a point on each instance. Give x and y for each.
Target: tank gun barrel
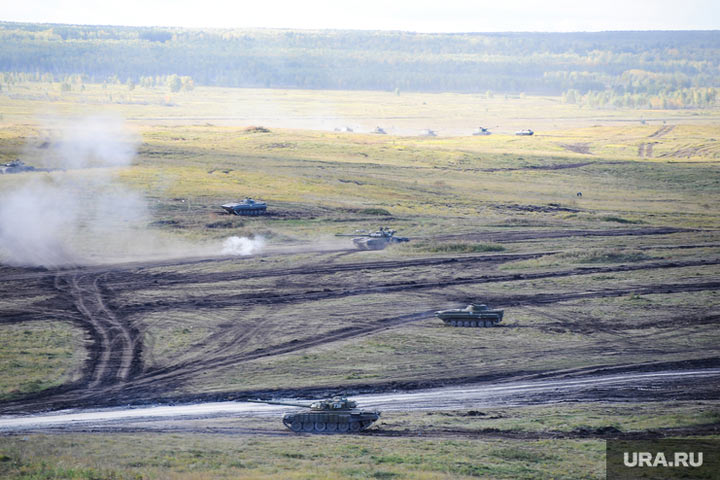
(273, 402)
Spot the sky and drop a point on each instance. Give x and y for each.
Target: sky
(417, 16)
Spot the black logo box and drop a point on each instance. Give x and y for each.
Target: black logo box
(665, 459)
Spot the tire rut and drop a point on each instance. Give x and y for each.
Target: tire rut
(178, 372)
(114, 366)
(662, 131)
(519, 235)
(252, 299)
(175, 373)
(116, 350)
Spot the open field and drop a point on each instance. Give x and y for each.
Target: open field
(449, 114)
(621, 279)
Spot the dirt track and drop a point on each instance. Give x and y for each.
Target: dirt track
(178, 418)
(115, 370)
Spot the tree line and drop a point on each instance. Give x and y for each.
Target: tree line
(650, 69)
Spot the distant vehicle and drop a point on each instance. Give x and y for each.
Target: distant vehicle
(481, 131)
(474, 315)
(525, 132)
(334, 415)
(428, 133)
(16, 166)
(343, 129)
(248, 206)
(379, 130)
(376, 240)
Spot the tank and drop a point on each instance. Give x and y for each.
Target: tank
(481, 131)
(379, 130)
(248, 206)
(376, 240)
(474, 315)
(16, 166)
(334, 415)
(428, 133)
(525, 132)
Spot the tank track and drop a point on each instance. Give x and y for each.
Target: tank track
(352, 426)
(472, 323)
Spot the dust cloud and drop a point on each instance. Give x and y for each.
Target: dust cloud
(80, 213)
(242, 245)
(43, 217)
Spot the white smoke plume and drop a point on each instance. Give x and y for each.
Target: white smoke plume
(242, 245)
(79, 213)
(59, 218)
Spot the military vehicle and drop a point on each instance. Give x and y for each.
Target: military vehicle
(334, 415)
(248, 206)
(525, 132)
(344, 129)
(428, 133)
(375, 240)
(474, 315)
(481, 131)
(16, 166)
(379, 130)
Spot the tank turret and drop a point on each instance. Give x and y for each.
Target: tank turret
(333, 415)
(474, 315)
(481, 131)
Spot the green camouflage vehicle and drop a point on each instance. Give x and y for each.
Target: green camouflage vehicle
(248, 206)
(376, 240)
(334, 415)
(474, 315)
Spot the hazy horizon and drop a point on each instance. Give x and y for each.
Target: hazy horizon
(452, 16)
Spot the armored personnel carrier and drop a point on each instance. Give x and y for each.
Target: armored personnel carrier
(481, 131)
(248, 206)
(334, 415)
(375, 240)
(474, 315)
(525, 132)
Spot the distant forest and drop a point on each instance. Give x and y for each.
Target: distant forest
(673, 69)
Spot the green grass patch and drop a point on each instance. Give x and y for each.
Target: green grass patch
(455, 247)
(38, 355)
(375, 211)
(576, 256)
(198, 456)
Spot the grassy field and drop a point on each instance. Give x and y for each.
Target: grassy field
(456, 195)
(201, 456)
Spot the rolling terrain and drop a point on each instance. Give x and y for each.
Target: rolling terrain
(620, 282)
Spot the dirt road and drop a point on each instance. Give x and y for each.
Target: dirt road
(482, 396)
